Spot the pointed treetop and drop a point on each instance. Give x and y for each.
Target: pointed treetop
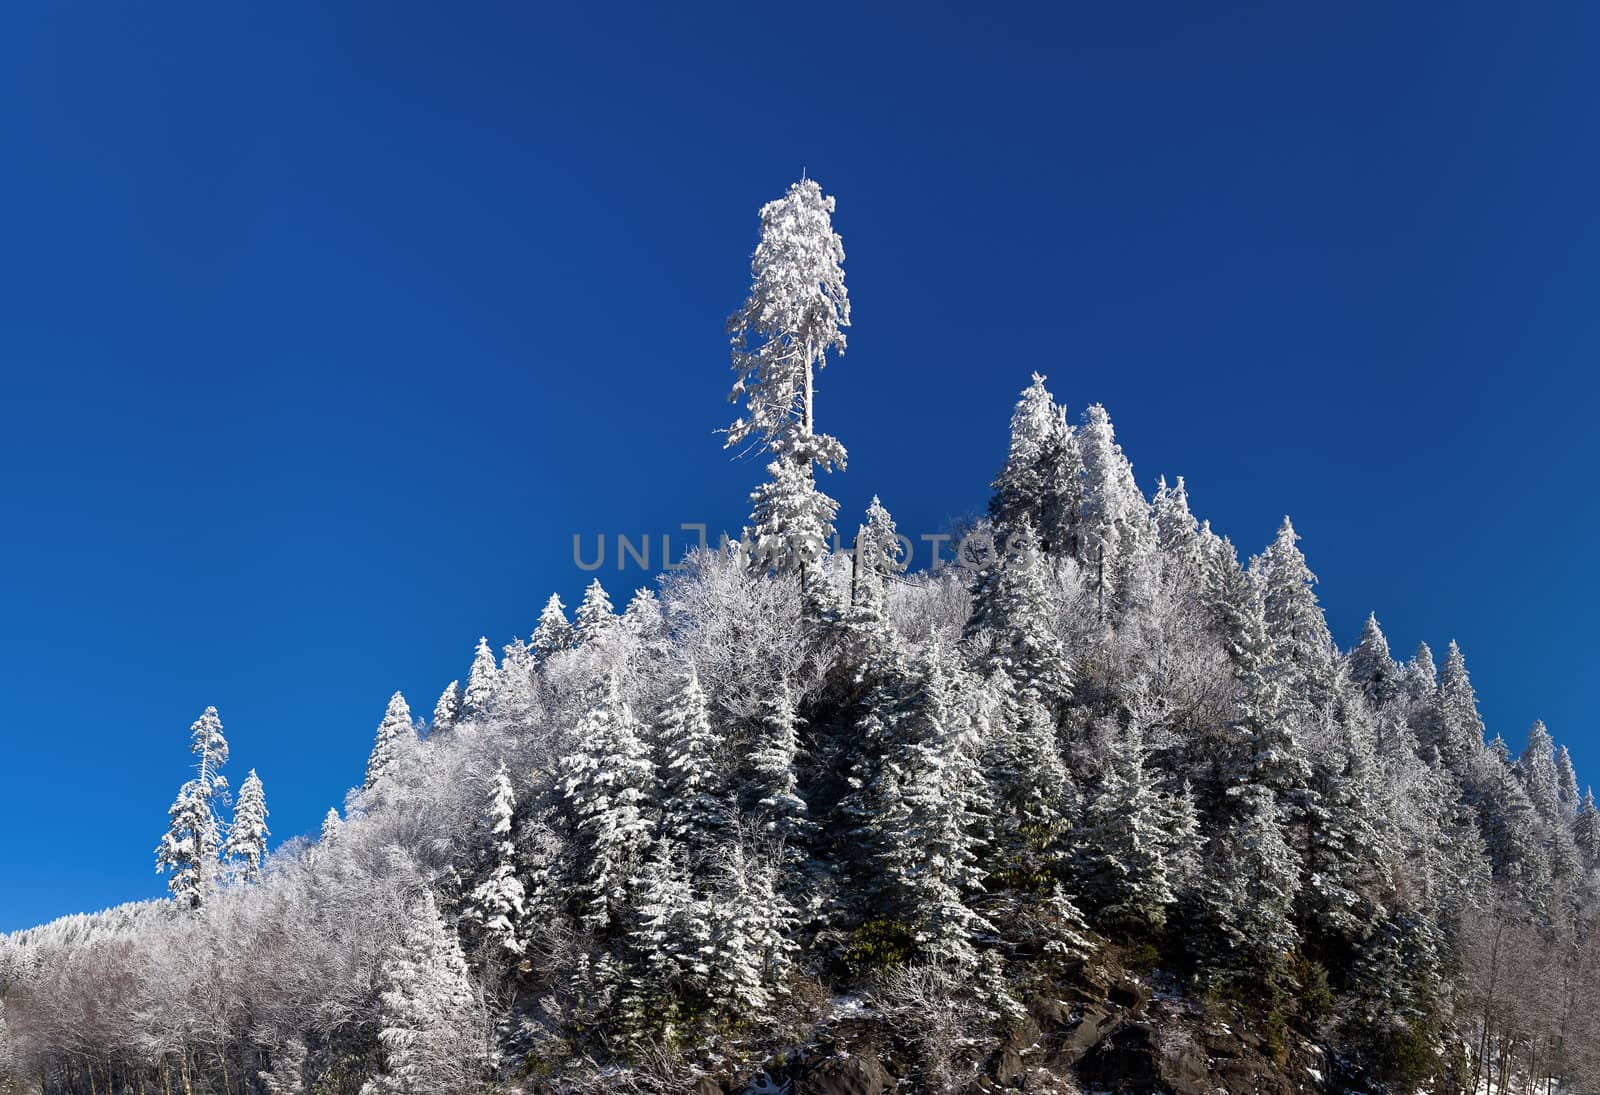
(1422, 664)
(478, 699)
(331, 826)
(394, 733)
(595, 615)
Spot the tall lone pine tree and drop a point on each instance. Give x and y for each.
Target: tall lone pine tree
(794, 316)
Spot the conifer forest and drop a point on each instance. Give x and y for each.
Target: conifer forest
(1099, 804)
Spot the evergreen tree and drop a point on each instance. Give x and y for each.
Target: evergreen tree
(1344, 857)
(1512, 832)
(1538, 769)
(595, 616)
(1122, 850)
(1115, 514)
(608, 784)
(879, 556)
(669, 950)
(918, 804)
(1032, 791)
(1177, 531)
(553, 634)
(1011, 623)
(497, 904)
(1566, 784)
(247, 835)
(193, 839)
(794, 316)
(1248, 897)
(396, 735)
(1042, 481)
(1586, 831)
(1299, 643)
(483, 682)
(1226, 592)
(448, 710)
(774, 783)
(644, 622)
(1370, 666)
(427, 1019)
(694, 810)
(332, 827)
(751, 923)
(1459, 732)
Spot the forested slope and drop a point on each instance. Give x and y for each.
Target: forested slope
(1095, 801)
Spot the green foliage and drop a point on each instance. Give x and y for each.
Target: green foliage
(1400, 1055)
(1315, 996)
(879, 944)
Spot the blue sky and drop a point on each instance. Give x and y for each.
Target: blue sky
(322, 331)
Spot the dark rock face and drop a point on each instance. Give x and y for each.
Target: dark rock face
(844, 1076)
(1126, 1040)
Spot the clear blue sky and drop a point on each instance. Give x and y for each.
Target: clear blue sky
(322, 331)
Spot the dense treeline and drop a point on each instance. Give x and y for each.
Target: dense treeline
(644, 846)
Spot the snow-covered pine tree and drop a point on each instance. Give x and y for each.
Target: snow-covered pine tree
(879, 557)
(917, 805)
(1566, 784)
(773, 787)
(1512, 830)
(595, 616)
(430, 1021)
(396, 735)
(1370, 665)
(1344, 862)
(1010, 624)
(608, 783)
(695, 811)
(332, 827)
(1586, 831)
(1300, 645)
(1121, 848)
(1226, 592)
(553, 633)
(247, 835)
(483, 681)
(1247, 898)
(1180, 834)
(751, 948)
(1260, 748)
(1537, 767)
(944, 810)
(644, 621)
(1501, 751)
(1030, 786)
(514, 693)
(1116, 515)
(193, 839)
(667, 958)
(1177, 531)
(1459, 732)
(1042, 480)
(794, 316)
(448, 710)
(496, 905)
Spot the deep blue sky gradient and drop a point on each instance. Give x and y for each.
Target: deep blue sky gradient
(322, 331)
